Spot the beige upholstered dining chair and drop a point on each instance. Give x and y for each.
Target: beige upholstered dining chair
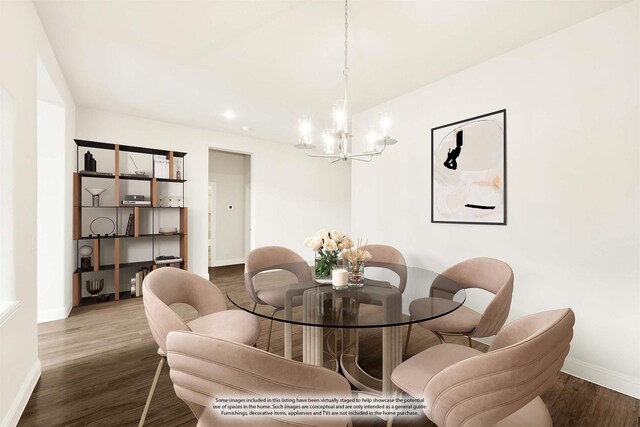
(167, 286)
(385, 257)
(273, 258)
(489, 274)
(462, 386)
(203, 368)
(388, 257)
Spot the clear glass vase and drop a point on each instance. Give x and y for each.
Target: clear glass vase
(325, 262)
(356, 274)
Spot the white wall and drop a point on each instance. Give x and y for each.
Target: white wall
(22, 41)
(292, 195)
(228, 171)
(573, 179)
(52, 274)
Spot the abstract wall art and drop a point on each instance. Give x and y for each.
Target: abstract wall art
(468, 170)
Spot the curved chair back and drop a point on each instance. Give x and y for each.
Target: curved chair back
(203, 368)
(494, 276)
(522, 362)
(166, 286)
(273, 258)
(388, 257)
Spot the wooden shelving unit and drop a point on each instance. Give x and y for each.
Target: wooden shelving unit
(95, 241)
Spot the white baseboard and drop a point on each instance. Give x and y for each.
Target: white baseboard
(22, 398)
(223, 262)
(622, 383)
(613, 380)
(54, 314)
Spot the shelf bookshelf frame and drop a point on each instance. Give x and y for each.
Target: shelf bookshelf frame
(116, 176)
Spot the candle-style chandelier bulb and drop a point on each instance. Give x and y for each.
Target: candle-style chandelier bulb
(385, 123)
(305, 141)
(339, 118)
(328, 143)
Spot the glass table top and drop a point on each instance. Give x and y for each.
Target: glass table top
(289, 293)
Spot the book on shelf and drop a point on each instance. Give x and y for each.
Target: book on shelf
(138, 283)
(134, 175)
(140, 275)
(129, 230)
(136, 203)
(161, 167)
(96, 173)
(164, 259)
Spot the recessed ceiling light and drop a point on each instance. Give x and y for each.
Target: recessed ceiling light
(229, 115)
(246, 128)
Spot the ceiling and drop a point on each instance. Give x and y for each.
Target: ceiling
(273, 61)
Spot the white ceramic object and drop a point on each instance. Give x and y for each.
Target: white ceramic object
(176, 202)
(85, 250)
(171, 201)
(168, 230)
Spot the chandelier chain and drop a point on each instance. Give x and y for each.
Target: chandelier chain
(346, 37)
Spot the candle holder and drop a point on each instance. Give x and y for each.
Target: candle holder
(339, 277)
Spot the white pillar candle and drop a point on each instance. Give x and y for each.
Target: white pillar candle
(339, 277)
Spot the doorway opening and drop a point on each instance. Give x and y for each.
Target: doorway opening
(229, 218)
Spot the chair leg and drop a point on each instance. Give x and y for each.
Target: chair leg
(440, 337)
(469, 338)
(389, 420)
(406, 343)
(269, 336)
(255, 304)
(153, 389)
(271, 328)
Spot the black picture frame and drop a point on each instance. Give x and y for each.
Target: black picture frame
(492, 123)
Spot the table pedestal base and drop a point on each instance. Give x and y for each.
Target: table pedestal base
(321, 346)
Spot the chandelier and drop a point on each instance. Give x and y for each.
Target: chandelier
(337, 140)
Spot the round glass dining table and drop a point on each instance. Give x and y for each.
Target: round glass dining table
(331, 317)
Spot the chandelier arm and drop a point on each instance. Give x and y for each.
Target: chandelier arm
(332, 156)
(357, 157)
(365, 154)
(383, 147)
(371, 153)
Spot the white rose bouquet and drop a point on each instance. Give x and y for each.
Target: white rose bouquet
(327, 246)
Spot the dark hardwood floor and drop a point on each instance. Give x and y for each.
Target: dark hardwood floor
(97, 367)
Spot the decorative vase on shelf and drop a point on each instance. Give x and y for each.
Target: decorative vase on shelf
(356, 274)
(94, 287)
(95, 195)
